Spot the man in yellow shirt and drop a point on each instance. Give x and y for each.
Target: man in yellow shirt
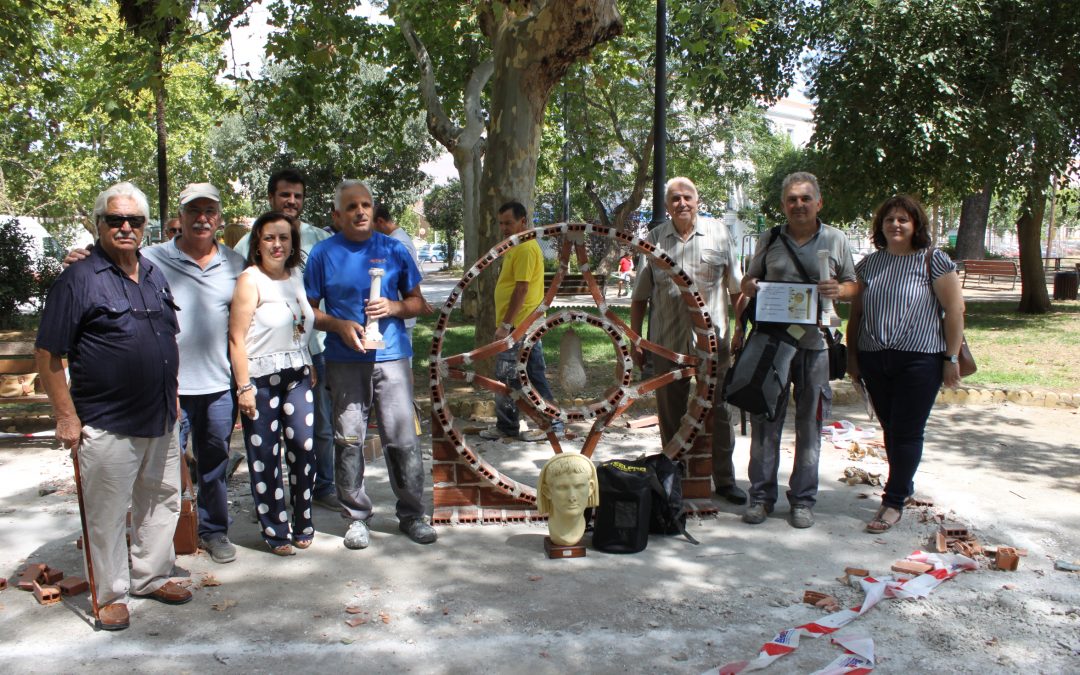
(518, 291)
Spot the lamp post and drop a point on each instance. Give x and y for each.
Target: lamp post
(660, 117)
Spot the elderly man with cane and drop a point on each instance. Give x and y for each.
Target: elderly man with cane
(115, 320)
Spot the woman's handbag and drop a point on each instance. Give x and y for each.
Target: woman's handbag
(186, 537)
(967, 361)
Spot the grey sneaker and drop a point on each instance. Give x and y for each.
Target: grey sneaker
(328, 501)
(219, 547)
(492, 434)
(358, 535)
(418, 530)
(756, 513)
(801, 516)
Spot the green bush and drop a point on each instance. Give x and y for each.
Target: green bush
(17, 283)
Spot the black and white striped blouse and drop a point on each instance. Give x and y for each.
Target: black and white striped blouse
(900, 310)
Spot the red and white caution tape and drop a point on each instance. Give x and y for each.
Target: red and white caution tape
(37, 434)
(860, 658)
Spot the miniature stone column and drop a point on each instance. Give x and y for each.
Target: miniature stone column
(373, 339)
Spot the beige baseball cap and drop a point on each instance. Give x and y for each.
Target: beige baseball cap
(195, 191)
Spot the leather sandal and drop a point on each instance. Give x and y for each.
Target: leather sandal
(283, 550)
(303, 543)
(878, 524)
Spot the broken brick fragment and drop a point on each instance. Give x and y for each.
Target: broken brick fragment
(73, 586)
(3, 584)
(857, 572)
(1007, 559)
(813, 597)
(911, 567)
(46, 595)
(940, 545)
(52, 575)
(30, 575)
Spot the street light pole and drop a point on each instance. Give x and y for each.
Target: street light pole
(660, 117)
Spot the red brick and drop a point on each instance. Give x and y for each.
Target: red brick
(443, 472)
(444, 451)
(29, 575)
(490, 497)
(73, 586)
(697, 488)
(46, 595)
(702, 444)
(52, 575)
(911, 567)
(455, 496)
(699, 467)
(3, 584)
(467, 477)
(1007, 559)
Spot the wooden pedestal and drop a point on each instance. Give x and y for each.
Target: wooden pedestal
(554, 550)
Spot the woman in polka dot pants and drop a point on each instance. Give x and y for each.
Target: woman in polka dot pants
(269, 325)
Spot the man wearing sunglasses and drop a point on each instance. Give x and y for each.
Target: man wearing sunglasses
(202, 273)
(115, 320)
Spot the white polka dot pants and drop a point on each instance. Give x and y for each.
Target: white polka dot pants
(284, 408)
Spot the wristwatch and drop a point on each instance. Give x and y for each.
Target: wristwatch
(247, 387)
(952, 359)
(507, 326)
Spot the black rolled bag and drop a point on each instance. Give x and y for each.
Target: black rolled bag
(759, 378)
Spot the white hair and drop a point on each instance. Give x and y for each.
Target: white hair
(345, 185)
(679, 180)
(124, 189)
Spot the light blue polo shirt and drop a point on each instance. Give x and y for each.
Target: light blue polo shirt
(203, 297)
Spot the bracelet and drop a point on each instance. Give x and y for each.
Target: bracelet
(506, 325)
(247, 387)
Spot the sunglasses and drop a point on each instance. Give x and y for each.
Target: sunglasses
(117, 221)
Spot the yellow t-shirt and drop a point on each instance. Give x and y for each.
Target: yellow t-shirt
(521, 263)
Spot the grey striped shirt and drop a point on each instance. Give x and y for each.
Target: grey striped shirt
(900, 309)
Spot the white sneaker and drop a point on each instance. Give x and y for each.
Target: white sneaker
(532, 435)
(358, 535)
(492, 434)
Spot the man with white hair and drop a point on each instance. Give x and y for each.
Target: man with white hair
(339, 274)
(202, 274)
(703, 248)
(115, 320)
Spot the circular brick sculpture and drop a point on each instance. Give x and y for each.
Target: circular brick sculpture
(617, 399)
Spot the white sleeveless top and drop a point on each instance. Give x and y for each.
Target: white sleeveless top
(281, 326)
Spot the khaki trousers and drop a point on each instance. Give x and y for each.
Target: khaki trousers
(143, 473)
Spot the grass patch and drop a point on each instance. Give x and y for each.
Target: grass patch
(1024, 350)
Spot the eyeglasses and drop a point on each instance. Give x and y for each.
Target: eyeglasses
(172, 231)
(116, 221)
(210, 212)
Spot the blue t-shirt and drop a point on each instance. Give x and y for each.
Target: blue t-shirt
(120, 340)
(337, 273)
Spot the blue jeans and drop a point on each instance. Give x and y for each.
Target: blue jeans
(208, 420)
(323, 431)
(902, 386)
(506, 411)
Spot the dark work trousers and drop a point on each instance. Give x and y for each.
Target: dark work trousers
(672, 401)
(506, 410)
(902, 387)
(285, 407)
(208, 420)
(385, 387)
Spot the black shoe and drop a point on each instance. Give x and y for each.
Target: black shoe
(732, 493)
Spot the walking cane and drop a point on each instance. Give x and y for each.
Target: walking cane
(85, 537)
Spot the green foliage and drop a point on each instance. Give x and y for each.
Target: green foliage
(17, 285)
(443, 210)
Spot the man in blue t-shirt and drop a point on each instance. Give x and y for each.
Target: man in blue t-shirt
(339, 274)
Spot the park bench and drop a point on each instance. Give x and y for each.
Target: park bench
(574, 284)
(990, 269)
(17, 359)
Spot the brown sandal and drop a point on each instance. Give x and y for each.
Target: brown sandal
(303, 543)
(283, 550)
(879, 525)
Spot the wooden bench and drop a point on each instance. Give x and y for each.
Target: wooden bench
(990, 269)
(17, 358)
(574, 284)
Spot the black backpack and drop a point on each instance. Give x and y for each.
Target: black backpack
(638, 497)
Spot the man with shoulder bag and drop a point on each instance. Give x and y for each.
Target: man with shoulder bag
(800, 239)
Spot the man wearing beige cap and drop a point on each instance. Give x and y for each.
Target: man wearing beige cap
(202, 273)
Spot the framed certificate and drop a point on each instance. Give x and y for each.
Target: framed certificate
(779, 302)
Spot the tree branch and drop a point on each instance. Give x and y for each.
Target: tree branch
(438, 122)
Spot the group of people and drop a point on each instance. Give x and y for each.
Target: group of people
(904, 334)
(166, 343)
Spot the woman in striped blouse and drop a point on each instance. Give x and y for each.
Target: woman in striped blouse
(903, 349)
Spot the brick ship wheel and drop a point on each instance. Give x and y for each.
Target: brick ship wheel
(469, 489)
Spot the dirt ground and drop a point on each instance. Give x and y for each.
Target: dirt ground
(486, 598)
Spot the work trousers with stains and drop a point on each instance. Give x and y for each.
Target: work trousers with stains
(813, 403)
(386, 387)
(284, 407)
(902, 387)
(506, 409)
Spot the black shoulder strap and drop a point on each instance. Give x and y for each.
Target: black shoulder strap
(795, 259)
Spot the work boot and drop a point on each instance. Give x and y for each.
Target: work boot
(756, 513)
(358, 536)
(801, 516)
(418, 530)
